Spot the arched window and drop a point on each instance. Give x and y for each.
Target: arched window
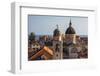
(57, 47)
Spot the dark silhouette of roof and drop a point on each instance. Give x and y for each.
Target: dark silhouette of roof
(56, 32)
(70, 29)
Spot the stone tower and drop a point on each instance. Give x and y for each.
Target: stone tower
(57, 44)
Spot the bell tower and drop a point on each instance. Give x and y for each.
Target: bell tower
(57, 44)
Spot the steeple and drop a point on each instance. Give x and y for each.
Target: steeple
(57, 26)
(70, 29)
(70, 23)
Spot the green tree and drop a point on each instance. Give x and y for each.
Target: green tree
(32, 36)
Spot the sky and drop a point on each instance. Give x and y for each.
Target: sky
(45, 25)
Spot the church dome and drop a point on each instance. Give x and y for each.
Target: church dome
(70, 29)
(56, 32)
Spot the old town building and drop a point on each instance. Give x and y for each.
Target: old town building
(60, 46)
